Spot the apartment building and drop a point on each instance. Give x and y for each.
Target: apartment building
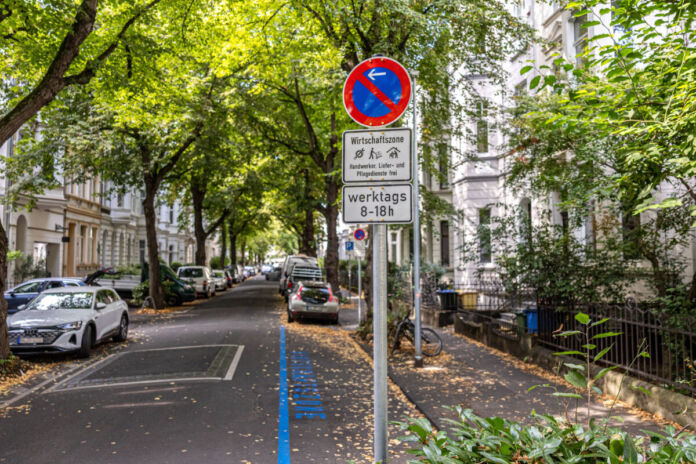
(84, 225)
(478, 183)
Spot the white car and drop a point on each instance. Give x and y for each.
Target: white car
(201, 277)
(220, 280)
(71, 319)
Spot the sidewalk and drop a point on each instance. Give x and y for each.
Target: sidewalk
(490, 383)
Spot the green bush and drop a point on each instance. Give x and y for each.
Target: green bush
(128, 269)
(473, 439)
(215, 262)
(175, 265)
(142, 291)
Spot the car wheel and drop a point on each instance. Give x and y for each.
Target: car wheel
(174, 300)
(122, 330)
(334, 319)
(87, 342)
(290, 318)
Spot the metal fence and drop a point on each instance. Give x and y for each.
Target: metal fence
(668, 339)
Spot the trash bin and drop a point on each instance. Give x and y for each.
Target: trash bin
(532, 320)
(467, 300)
(448, 300)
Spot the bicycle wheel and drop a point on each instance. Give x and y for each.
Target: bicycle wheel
(397, 339)
(431, 343)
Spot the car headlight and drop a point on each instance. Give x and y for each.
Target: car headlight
(71, 325)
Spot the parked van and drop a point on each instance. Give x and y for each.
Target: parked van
(201, 277)
(290, 261)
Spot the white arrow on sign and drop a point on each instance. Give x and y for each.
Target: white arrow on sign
(372, 74)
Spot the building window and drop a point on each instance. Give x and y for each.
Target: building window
(119, 200)
(484, 235)
(171, 214)
(482, 127)
(393, 247)
(443, 164)
(580, 35)
(444, 244)
(142, 251)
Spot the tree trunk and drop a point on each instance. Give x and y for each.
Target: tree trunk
(4, 336)
(331, 209)
(154, 273)
(233, 248)
(197, 197)
(223, 244)
(331, 216)
(308, 244)
(243, 251)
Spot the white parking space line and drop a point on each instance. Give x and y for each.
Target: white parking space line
(92, 366)
(233, 365)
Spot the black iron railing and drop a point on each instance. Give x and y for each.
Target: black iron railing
(668, 339)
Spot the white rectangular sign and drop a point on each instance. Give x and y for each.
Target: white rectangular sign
(378, 204)
(382, 155)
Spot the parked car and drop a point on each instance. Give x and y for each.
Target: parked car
(266, 268)
(290, 261)
(27, 291)
(307, 269)
(228, 278)
(249, 271)
(274, 274)
(178, 291)
(200, 277)
(68, 319)
(240, 272)
(220, 280)
(302, 271)
(311, 299)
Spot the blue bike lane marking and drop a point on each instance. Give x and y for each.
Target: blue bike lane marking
(306, 400)
(283, 421)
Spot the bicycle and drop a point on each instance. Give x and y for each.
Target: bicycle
(431, 343)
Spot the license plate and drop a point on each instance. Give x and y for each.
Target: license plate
(314, 308)
(31, 340)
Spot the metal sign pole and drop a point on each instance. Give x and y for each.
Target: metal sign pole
(360, 317)
(418, 360)
(379, 314)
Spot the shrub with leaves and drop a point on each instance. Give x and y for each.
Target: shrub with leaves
(473, 439)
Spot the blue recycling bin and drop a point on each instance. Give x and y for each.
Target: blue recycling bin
(532, 320)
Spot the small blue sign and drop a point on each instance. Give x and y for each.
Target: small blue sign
(349, 246)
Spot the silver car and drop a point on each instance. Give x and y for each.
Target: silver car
(312, 300)
(68, 319)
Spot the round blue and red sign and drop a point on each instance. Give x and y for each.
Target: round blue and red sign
(359, 234)
(377, 92)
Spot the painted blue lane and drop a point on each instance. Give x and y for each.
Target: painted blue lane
(283, 422)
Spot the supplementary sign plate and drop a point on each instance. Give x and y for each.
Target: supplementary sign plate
(378, 204)
(377, 155)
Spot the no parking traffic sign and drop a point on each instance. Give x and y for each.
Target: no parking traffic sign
(377, 92)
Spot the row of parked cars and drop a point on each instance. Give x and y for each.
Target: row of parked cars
(307, 294)
(73, 315)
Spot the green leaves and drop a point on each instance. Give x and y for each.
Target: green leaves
(576, 379)
(582, 318)
(473, 439)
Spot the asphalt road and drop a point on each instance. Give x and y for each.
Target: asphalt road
(226, 381)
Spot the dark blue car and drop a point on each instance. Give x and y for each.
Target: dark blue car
(26, 291)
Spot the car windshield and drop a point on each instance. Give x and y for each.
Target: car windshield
(191, 272)
(218, 274)
(29, 287)
(76, 300)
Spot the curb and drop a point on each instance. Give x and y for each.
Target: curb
(415, 404)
